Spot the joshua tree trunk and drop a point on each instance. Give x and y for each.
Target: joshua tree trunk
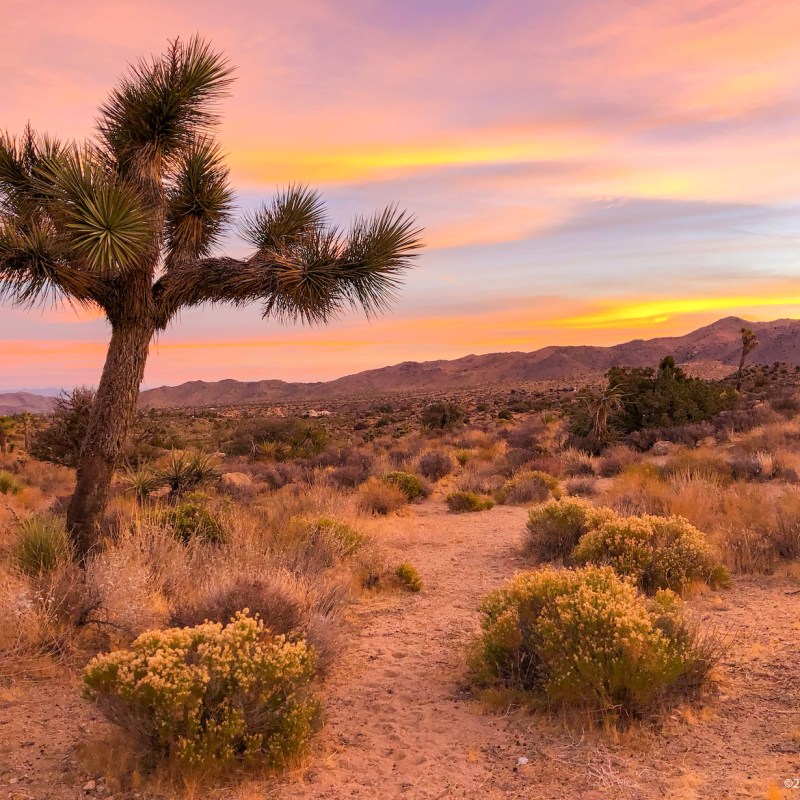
(112, 414)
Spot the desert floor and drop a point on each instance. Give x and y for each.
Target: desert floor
(399, 722)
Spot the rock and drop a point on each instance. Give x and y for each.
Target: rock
(89, 786)
(661, 448)
(236, 480)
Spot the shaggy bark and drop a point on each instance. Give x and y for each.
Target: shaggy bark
(112, 414)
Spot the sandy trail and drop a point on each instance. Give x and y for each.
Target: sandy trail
(399, 723)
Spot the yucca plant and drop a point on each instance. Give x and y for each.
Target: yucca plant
(127, 222)
(42, 544)
(141, 482)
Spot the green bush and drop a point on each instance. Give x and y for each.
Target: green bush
(554, 528)
(463, 455)
(42, 544)
(656, 552)
(528, 486)
(409, 576)
(460, 502)
(9, 484)
(587, 639)
(191, 520)
(441, 416)
(410, 485)
(211, 696)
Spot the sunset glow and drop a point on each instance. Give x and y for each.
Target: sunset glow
(585, 173)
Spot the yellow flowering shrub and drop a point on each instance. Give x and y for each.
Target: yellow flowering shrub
(212, 696)
(655, 552)
(554, 527)
(586, 638)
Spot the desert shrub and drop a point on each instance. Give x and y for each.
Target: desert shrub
(461, 502)
(9, 484)
(575, 463)
(587, 639)
(702, 465)
(581, 487)
(276, 438)
(555, 527)
(615, 459)
(463, 455)
(435, 465)
(410, 485)
(312, 545)
(191, 520)
(210, 696)
(353, 472)
(528, 487)
(42, 544)
(409, 577)
(655, 552)
(60, 442)
(287, 603)
(441, 416)
(379, 497)
(640, 490)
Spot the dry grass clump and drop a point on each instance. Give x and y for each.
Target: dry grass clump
(381, 498)
(210, 697)
(616, 459)
(642, 654)
(289, 604)
(581, 487)
(576, 463)
(554, 528)
(639, 490)
(409, 577)
(531, 486)
(462, 502)
(655, 552)
(9, 484)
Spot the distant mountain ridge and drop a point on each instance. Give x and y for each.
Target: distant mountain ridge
(21, 402)
(714, 348)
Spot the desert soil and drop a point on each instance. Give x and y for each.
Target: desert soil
(401, 724)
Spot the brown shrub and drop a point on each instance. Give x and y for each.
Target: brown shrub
(379, 497)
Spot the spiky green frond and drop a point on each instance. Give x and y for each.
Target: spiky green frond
(294, 213)
(378, 250)
(199, 202)
(35, 268)
(20, 160)
(161, 107)
(311, 277)
(102, 220)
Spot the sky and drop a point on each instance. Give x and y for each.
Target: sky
(586, 172)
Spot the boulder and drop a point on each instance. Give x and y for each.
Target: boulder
(236, 480)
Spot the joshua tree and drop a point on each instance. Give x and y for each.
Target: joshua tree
(128, 222)
(7, 427)
(749, 343)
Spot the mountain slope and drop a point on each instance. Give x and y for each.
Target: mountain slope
(20, 402)
(715, 346)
